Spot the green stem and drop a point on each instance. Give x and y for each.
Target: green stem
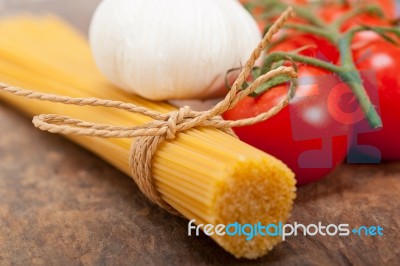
(330, 36)
(382, 31)
(354, 81)
(346, 55)
(270, 84)
(393, 30)
(356, 12)
(278, 56)
(309, 16)
(300, 11)
(351, 76)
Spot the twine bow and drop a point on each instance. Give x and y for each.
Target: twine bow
(164, 126)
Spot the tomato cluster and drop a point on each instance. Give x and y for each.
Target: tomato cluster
(323, 121)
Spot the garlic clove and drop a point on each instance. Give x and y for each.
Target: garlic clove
(176, 49)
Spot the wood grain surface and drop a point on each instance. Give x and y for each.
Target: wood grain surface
(61, 205)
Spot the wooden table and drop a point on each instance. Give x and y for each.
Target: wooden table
(61, 205)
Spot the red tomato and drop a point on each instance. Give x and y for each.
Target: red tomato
(380, 63)
(314, 46)
(310, 135)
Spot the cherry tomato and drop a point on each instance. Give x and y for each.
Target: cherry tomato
(309, 45)
(310, 135)
(380, 63)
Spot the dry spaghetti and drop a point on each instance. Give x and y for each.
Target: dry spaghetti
(237, 198)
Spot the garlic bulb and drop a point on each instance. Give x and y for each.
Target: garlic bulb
(172, 49)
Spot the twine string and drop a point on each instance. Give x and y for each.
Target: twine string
(164, 127)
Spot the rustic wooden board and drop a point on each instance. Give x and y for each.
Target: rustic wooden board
(61, 205)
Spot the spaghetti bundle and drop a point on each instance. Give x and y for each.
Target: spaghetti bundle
(204, 174)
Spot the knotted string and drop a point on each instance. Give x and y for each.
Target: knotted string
(164, 127)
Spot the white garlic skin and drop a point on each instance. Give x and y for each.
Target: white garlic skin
(172, 49)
